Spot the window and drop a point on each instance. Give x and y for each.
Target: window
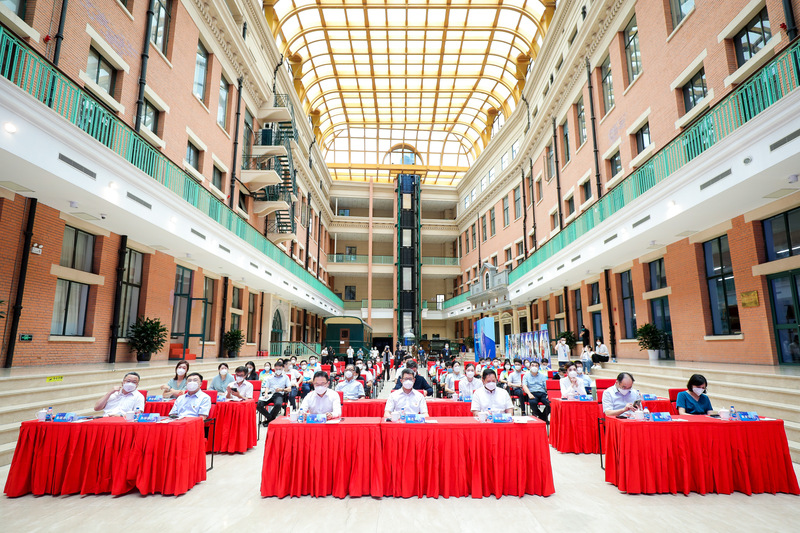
(551, 162)
(242, 203)
(658, 276)
(183, 291)
(499, 120)
(150, 117)
(565, 140)
(474, 236)
(208, 294)
(16, 6)
(721, 287)
(576, 295)
(505, 211)
(131, 288)
(491, 175)
(680, 9)
(643, 138)
(782, 235)
(514, 149)
(504, 161)
(570, 205)
(694, 90)
(752, 37)
(615, 164)
(236, 322)
(222, 109)
(520, 249)
(216, 179)
(69, 308)
(236, 298)
(508, 255)
(248, 135)
(581, 122)
(200, 72)
(159, 28)
(559, 304)
(539, 189)
(77, 249)
(607, 84)
(251, 318)
(632, 53)
(404, 156)
(466, 241)
(458, 246)
(594, 290)
(100, 71)
(193, 155)
(554, 220)
(491, 221)
(628, 307)
(344, 212)
(586, 191)
(517, 202)
(407, 281)
(483, 227)
(484, 183)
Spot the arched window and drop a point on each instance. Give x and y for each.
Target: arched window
(277, 328)
(486, 287)
(403, 154)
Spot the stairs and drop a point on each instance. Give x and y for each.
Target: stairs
(176, 353)
(771, 395)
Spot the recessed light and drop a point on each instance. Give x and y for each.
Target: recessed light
(10, 127)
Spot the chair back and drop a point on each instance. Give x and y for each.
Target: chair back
(326, 368)
(213, 396)
(204, 385)
(256, 385)
(457, 384)
(143, 393)
(604, 383)
(673, 394)
(553, 384)
(341, 396)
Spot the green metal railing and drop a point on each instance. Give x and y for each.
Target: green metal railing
(298, 349)
(380, 304)
(383, 259)
(347, 258)
(37, 77)
(352, 305)
(441, 261)
(455, 300)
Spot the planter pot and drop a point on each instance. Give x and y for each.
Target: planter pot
(233, 355)
(653, 354)
(143, 356)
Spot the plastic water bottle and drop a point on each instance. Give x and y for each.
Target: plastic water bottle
(403, 414)
(488, 414)
(301, 415)
(646, 413)
(733, 413)
(49, 414)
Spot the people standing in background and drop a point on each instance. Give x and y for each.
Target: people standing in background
(585, 337)
(562, 351)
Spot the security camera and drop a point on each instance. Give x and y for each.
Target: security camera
(103, 216)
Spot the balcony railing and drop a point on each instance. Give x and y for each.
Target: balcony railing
(36, 76)
(361, 259)
(441, 261)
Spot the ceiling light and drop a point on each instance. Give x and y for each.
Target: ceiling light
(113, 185)
(10, 127)
(793, 178)
(73, 204)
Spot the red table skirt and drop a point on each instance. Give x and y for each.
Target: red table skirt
(573, 426)
(162, 408)
(376, 408)
(450, 458)
(366, 408)
(662, 405)
(444, 408)
(323, 459)
(235, 430)
(107, 455)
(699, 454)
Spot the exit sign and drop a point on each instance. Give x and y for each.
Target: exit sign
(25, 337)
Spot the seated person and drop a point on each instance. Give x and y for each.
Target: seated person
(313, 364)
(240, 389)
(195, 402)
(620, 398)
(266, 371)
(406, 397)
(122, 399)
(279, 384)
(304, 377)
(252, 375)
(470, 382)
(490, 396)
(322, 400)
(515, 379)
(571, 384)
(586, 358)
(450, 380)
(221, 380)
(176, 385)
(544, 366)
(502, 377)
(351, 387)
(587, 381)
(420, 383)
(534, 385)
(694, 401)
(362, 371)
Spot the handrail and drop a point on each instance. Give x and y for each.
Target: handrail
(33, 74)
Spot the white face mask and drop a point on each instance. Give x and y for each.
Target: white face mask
(698, 390)
(192, 386)
(407, 384)
(181, 371)
(534, 371)
(580, 370)
(223, 372)
(279, 372)
(348, 374)
(239, 379)
(517, 368)
(491, 385)
(470, 374)
(129, 386)
(624, 392)
(320, 390)
(572, 374)
(456, 369)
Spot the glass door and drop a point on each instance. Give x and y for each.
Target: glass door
(661, 319)
(784, 293)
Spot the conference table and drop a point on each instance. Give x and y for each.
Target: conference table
(437, 407)
(699, 454)
(107, 455)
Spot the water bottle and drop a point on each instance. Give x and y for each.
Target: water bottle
(403, 414)
(733, 413)
(489, 414)
(49, 414)
(301, 415)
(646, 413)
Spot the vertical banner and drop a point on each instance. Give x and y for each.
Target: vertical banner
(526, 345)
(484, 338)
(544, 342)
(536, 355)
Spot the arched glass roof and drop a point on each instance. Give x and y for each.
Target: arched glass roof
(384, 73)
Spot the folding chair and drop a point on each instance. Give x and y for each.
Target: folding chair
(210, 425)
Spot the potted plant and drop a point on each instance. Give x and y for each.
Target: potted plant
(470, 342)
(232, 341)
(651, 339)
(146, 336)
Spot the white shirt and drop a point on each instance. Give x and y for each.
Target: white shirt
(245, 389)
(613, 400)
(315, 404)
(602, 349)
(119, 402)
(465, 385)
(413, 402)
(450, 380)
(498, 400)
(563, 352)
(568, 389)
(367, 375)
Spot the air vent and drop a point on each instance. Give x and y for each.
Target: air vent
(267, 272)
(529, 284)
(610, 239)
(641, 221)
(253, 265)
(715, 179)
(540, 279)
(224, 249)
(559, 267)
(139, 200)
(198, 234)
(77, 166)
(286, 283)
(789, 138)
(84, 216)
(575, 258)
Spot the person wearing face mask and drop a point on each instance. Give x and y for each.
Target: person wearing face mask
(562, 350)
(322, 400)
(600, 352)
(266, 371)
(450, 380)
(490, 396)
(195, 402)
(694, 401)
(502, 377)
(515, 380)
(350, 387)
(275, 389)
(240, 389)
(176, 385)
(621, 397)
(587, 381)
(420, 383)
(470, 383)
(406, 397)
(571, 384)
(251, 371)
(364, 372)
(122, 398)
(222, 379)
(534, 386)
(313, 364)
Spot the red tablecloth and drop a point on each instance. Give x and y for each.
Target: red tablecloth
(436, 408)
(162, 408)
(107, 455)
(662, 405)
(573, 426)
(363, 408)
(323, 459)
(235, 430)
(439, 407)
(451, 458)
(699, 454)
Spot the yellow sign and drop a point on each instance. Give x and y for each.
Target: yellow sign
(51, 379)
(750, 299)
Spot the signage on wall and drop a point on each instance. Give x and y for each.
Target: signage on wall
(750, 299)
(51, 379)
(25, 337)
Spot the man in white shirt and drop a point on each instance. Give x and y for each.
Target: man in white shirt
(583, 376)
(470, 382)
(350, 387)
(322, 400)
(280, 385)
(122, 398)
(515, 379)
(562, 351)
(350, 355)
(239, 389)
(406, 397)
(195, 402)
(367, 375)
(489, 396)
(621, 397)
